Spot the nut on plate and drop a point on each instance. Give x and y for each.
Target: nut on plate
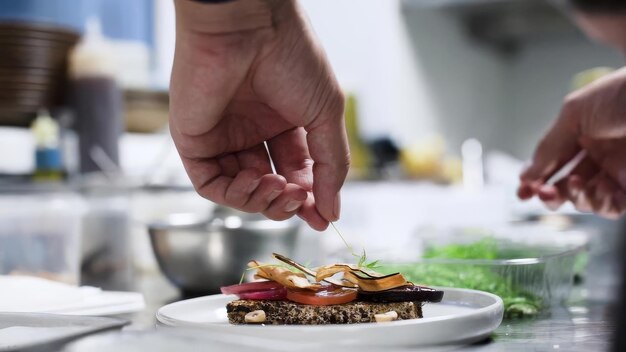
(385, 317)
(255, 317)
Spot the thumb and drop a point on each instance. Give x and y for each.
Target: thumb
(558, 146)
(328, 146)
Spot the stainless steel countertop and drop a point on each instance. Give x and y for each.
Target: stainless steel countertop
(582, 324)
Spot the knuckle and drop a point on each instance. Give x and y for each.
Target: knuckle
(328, 100)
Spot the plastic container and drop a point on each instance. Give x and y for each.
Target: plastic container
(107, 247)
(40, 235)
(530, 268)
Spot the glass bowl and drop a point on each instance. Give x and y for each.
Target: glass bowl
(530, 268)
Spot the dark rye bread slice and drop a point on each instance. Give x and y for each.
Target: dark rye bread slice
(290, 313)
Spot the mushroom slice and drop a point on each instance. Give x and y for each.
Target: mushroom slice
(312, 273)
(283, 276)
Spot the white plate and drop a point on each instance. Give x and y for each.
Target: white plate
(464, 316)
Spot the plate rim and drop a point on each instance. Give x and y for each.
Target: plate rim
(496, 305)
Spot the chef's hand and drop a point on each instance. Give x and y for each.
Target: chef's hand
(248, 72)
(592, 119)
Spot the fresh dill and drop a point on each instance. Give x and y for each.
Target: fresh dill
(363, 263)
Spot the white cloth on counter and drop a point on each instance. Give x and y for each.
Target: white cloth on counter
(36, 295)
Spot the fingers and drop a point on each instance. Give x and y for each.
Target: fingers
(242, 186)
(222, 180)
(589, 189)
(555, 195)
(328, 145)
(256, 189)
(608, 154)
(591, 118)
(309, 213)
(600, 191)
(600, 195)
(291, 157)
(270, 188)
(287, 204)
(619, 203)
(557, 147)
(229, 165)
(254, 158)
(253, 192)
(253, 187)
(578, 196)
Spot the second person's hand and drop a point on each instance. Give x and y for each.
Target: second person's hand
(592, 119)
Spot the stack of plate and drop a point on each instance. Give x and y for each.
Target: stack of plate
(33, 69)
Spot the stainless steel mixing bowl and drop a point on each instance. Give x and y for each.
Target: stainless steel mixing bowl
(201, 256)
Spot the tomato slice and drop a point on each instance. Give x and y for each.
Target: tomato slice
(250, 287)
(325, 297)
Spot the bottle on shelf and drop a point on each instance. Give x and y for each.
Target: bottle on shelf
(48, 161)
(97, 101)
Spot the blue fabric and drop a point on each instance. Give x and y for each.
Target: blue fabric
(121, 19)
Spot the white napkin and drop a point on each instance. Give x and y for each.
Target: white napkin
(36, 295)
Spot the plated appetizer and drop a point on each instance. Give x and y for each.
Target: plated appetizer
(291, 293)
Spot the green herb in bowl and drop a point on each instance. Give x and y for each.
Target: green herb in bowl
(518, 302)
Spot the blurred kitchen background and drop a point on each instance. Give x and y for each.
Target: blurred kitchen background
(447, 98)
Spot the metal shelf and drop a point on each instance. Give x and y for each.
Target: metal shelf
(503, 24)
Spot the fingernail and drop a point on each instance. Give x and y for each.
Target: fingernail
(274, 194)
(292, 205)
(253, 185)
(337, 207)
